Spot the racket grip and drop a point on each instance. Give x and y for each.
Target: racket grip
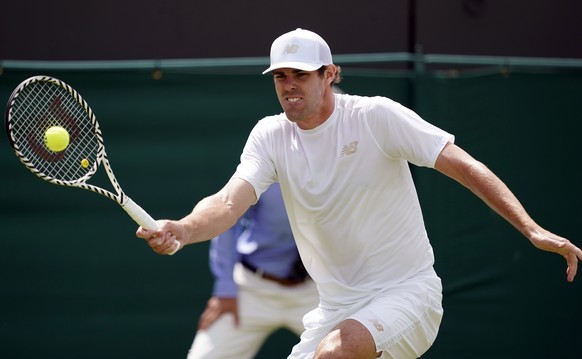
(141, 217)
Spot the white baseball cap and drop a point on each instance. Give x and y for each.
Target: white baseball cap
(299, 49)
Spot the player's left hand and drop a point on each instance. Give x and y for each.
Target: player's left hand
(551, 242)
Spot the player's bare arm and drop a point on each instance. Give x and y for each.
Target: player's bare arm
(210, 217)
(462, 167)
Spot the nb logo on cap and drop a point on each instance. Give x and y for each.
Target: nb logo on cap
(290, 49)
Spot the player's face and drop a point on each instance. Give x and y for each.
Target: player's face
(304, 96)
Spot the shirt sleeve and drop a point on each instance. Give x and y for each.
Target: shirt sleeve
(403, 134)
(223, 256)
(256, 164)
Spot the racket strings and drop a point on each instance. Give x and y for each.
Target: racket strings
(41, 105)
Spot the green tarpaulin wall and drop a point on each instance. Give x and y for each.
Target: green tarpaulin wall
(76, 283)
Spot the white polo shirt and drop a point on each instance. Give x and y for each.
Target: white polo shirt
(349, 192)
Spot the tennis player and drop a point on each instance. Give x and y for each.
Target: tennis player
(343, 165)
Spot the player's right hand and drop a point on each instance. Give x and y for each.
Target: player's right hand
(162, 241)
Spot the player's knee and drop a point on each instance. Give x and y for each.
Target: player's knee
(331, 352)
(336, 352)
(349, 339)
(329, 347)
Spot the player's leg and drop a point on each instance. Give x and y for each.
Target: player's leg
(404, 321)
(318, 323)
(349, 339)
(401, 322)
(382, 330)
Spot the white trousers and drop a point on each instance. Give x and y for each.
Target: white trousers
(264, 307)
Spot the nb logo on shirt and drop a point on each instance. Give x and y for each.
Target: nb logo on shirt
(349, 149)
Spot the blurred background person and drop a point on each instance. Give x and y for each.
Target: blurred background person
(260, 284)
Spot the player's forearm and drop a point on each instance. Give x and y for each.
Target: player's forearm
(487, 186)
(459, 165)
(210, 217)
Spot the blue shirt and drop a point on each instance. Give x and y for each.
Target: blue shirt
(262, 237)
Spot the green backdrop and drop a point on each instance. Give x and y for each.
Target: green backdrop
(76, 283)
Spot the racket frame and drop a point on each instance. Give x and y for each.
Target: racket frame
(138, 214)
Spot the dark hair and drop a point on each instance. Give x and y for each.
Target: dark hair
(338, 75)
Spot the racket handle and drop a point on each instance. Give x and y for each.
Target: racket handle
(141, 217)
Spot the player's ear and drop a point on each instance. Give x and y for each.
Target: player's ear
(330, 73)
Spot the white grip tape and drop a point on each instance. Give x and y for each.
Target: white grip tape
(141, 217)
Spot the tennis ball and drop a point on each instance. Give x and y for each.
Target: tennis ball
(56, 138)
(84, 163)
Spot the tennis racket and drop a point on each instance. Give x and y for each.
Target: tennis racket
(42, 102)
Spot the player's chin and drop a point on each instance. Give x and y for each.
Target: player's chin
(292, 114)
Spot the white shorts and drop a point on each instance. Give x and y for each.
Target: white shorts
(403, 319)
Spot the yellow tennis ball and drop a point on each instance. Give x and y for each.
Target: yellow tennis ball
(56, 138)
(84, 163)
